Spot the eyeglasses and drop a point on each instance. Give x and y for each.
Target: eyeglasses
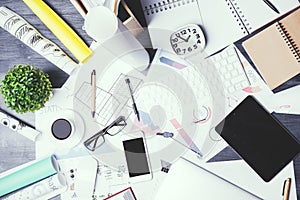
(113, 129)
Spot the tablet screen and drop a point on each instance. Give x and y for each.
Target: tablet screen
(258, 138)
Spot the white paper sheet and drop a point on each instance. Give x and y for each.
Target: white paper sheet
(239, 173)
(187, 181)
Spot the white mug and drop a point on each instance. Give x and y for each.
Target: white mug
(104, 27)
(100, 23)
(66, 131)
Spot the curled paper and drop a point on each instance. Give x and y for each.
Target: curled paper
(41, 190)
(29, 174)
(18, 126)
(60, 29)
(21, 29)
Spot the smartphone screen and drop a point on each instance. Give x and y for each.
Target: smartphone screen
(136, 157)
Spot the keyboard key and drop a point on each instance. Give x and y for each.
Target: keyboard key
(227, 84)
(227, 75)
(234, 73)
(245, 84)
(231, 51)
(231, 58)
(231, 89)
(217, 57)
(238, 86)
(223, 70)
(223, 62)
(237, 79)
(230, 67)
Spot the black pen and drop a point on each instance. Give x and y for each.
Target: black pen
(93, 83)
(271, 6)
(133, 102)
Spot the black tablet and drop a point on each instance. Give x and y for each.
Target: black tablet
(258, 138)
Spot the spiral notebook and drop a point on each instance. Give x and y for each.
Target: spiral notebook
(223, 21)
(275, 50)
(226, 21)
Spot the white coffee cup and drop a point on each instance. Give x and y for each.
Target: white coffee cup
(66, 129)
(100, 23)
(105, 28)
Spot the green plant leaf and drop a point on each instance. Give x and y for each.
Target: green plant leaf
(26, 88)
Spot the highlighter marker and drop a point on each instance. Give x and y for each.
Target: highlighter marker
(171, 63)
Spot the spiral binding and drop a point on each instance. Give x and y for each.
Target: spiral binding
(165, 5)
(289, 41)
(239, 16)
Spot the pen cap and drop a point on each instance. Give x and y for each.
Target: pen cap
(60, 29)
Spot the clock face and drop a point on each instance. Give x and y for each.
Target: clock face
(188, 40)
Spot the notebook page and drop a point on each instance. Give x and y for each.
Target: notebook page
(257, 13)
(272, 56)
(220, 23)
(165, 17)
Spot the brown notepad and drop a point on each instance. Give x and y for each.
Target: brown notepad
(275, 50)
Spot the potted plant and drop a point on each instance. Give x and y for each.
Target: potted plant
(26, 88)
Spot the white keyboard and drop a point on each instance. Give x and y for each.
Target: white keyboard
(229, 68)
(225, 75)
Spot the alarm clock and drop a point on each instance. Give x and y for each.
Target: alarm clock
(188, 40)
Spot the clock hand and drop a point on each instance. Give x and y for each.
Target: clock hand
(183, 38)
(188, 38)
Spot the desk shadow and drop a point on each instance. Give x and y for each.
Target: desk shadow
(225, 155)
(57, 77)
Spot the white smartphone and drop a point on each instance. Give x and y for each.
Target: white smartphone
(137, 160)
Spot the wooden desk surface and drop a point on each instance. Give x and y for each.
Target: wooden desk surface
(16, 149)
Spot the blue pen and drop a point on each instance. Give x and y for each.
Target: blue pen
(166, 134)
